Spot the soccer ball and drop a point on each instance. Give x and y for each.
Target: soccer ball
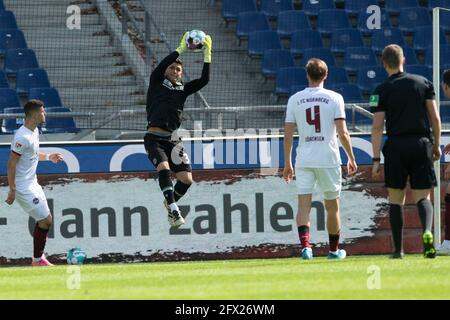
(195, 40)
(76, 256)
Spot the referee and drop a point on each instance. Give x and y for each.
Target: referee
(407, 103)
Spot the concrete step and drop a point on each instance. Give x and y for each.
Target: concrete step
(111, 98)
(13, 3)
(81, 53)
(63, 62)
(57, 21)
(100, 90)
(83, 82)
(88, 72)
(68, 44)
(57, 32)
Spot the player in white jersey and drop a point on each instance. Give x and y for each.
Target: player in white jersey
(22, 179)
(319, 115)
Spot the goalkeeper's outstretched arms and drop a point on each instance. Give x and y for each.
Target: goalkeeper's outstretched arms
(157, 75)
(195, 85)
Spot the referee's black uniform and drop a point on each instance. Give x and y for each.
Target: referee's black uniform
(408, 151)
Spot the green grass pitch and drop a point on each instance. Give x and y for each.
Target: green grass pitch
(363, 277)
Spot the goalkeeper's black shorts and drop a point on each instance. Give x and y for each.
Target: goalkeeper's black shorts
(160, 149)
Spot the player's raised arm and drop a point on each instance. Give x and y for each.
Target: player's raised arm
(197, 84)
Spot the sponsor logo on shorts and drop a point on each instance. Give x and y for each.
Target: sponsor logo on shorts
(35, 200)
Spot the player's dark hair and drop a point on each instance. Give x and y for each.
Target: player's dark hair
(179, 61)
(32, 106)
(446, 77)
(392, 56)
(317, 69)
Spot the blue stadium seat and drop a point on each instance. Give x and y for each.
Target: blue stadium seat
(250, 21)
(2, 6)
(321, 53)
(11, 39)
(57, 124)
(370, 77)
(292, 21)
(393, 7)
(16, 59)
(3, 80)
(274, 59)
(332, 19)
(349, 91)
(356, 58)
(341, 39)
(271, 8)
(288, 77)
(438, 3)
(10, 126)
(363, 19)
(7, 20)
(31, 78)
(260, 41)
(356, 118)
(420, 69)
(444, 55)
(296, 88)
(383, 37)
(410, 55)
(444, 20)
(336, 75)
(49, 96)
(305, 39)
(9, 99)
(354, 7)
(232, 8)
(411, 18)
(312, 7)
(423, 38)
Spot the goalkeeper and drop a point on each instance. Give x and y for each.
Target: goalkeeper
(165, 101)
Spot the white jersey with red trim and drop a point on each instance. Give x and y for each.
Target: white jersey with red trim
(26, 144)
(315, 110)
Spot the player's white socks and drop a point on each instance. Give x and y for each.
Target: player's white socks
(174, 207)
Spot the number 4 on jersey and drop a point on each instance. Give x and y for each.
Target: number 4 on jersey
(316, 120)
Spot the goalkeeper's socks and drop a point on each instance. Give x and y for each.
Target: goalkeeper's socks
(447, 217)
(165, 183)
(396, 220)
(425, 208)
(303, 234)
(180, 190)
(334, 242)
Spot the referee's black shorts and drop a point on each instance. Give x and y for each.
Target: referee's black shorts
(409, 156)
(160, 149)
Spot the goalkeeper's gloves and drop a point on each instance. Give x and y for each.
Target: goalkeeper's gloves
(182, 47)
(207, 47)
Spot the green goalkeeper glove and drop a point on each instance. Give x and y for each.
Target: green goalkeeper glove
(182, 47)
(207, 49)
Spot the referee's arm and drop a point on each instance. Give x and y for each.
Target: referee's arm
(377, 133)
(435, 120)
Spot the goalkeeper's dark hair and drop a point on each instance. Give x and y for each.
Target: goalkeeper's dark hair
(446, 77)
(32, 106)
(179, 61)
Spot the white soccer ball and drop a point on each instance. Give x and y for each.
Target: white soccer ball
(195, 40)
(76, 256)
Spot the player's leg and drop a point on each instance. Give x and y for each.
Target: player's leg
(181, 165)
(444, 248)
(35, 204)
(396, 204)
(184, 181)
(159, 153)
(422, 179)
(330, 182)
(305, 180)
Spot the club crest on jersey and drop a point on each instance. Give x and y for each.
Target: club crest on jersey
(35, 200)
(18, 145)
(374, 100)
